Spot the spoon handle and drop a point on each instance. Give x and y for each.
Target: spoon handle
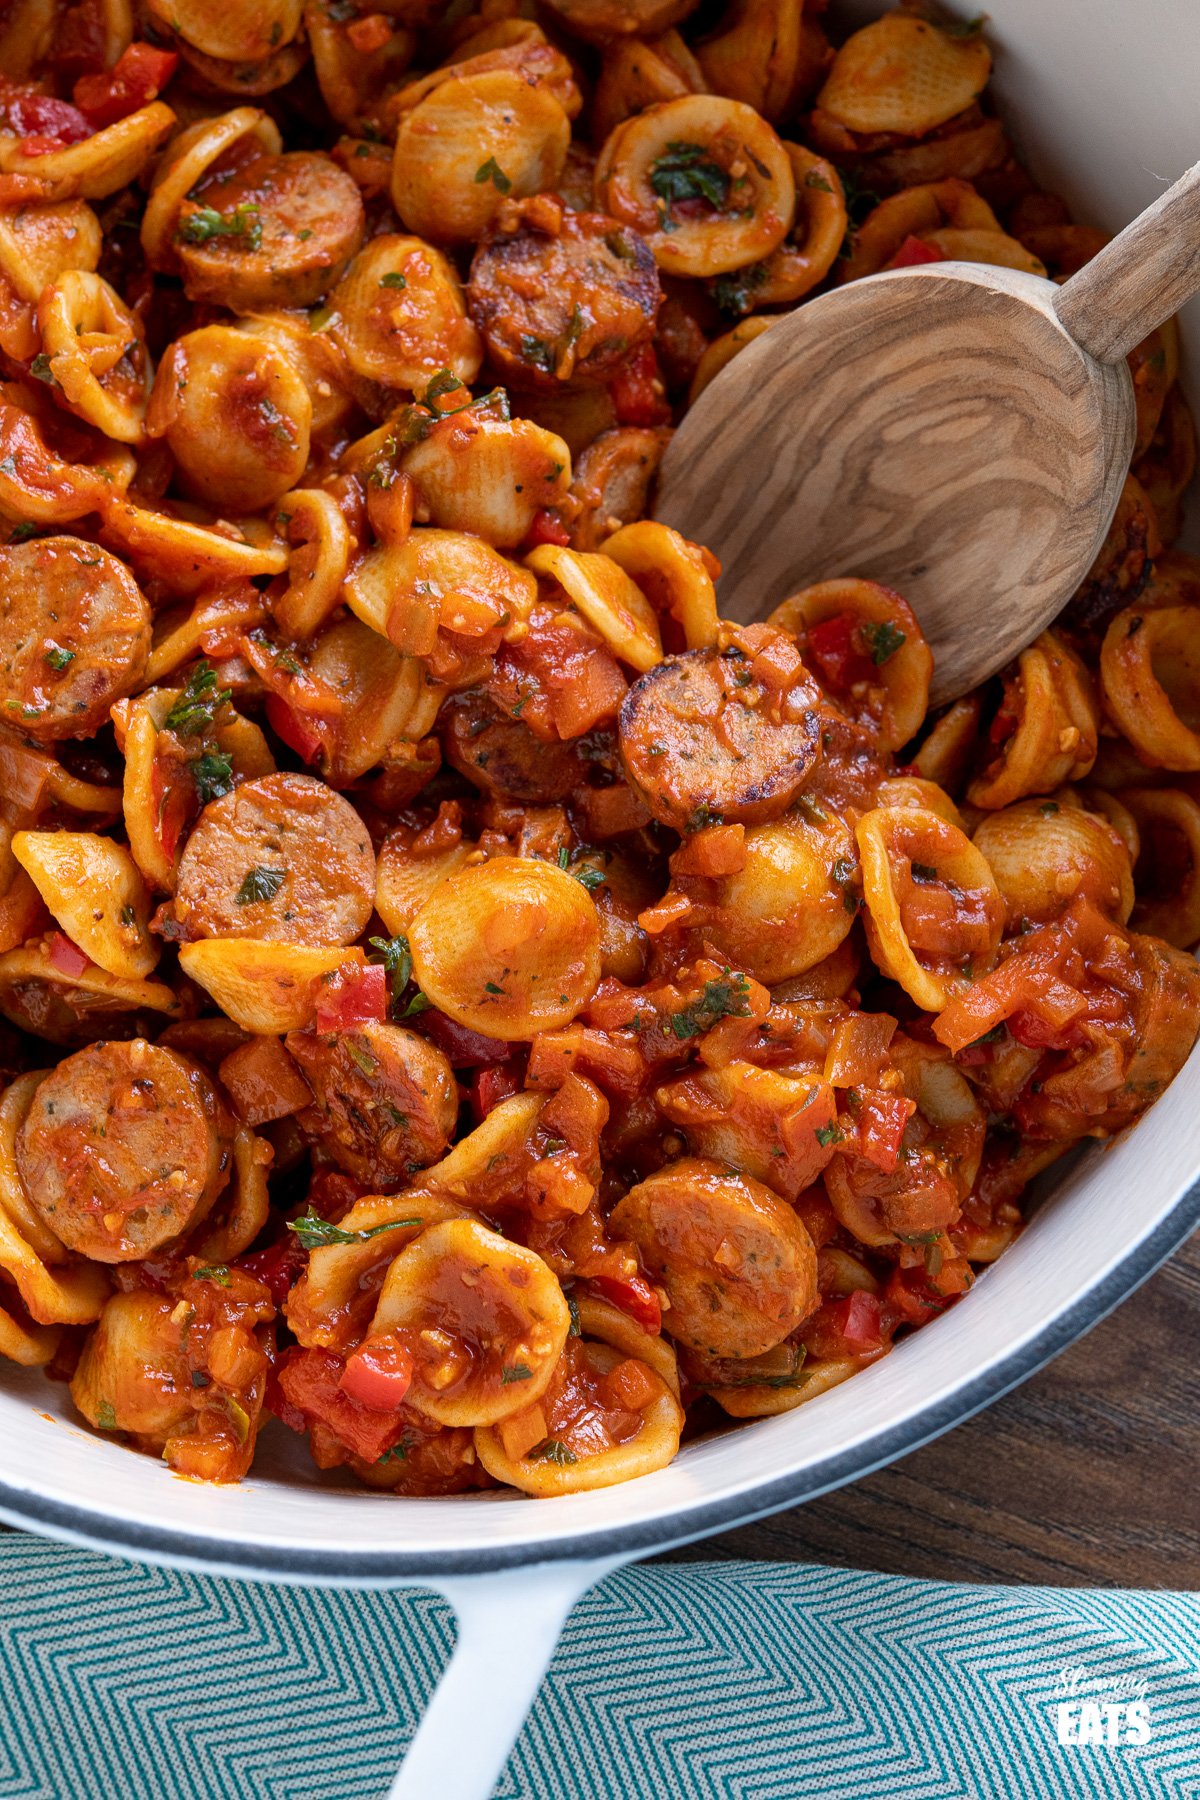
(1138, 280)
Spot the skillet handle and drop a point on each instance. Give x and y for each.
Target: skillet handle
(508, 1626)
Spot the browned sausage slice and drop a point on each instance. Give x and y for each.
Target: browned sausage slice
(703, 738)
(738, 1265)
(124, 1149)
(502, 756)
(74, 636)
(279, 232)
(282, 858)
(386, 1099)
(568, 307)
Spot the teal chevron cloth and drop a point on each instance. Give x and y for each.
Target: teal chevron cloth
(716, 1681)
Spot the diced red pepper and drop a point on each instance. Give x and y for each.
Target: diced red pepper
(834, 648)
(631, 1294)
(466, 1049)
(67, 957)
(40, 119)
(139, 76)
(279, 1267)
(849, 1327)
(370, 33)
(297, 730)
(547, 528)
(879, 1121)
(379, 1373)
(490, 1085)
(310, 1384)
(638, 392)
(354, 1000)
(1037, 1033)
(915, 250)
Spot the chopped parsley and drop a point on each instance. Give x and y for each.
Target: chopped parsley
(685, 172)
(315, 1233)
(726, 998)
(398, 1452)
(198, 705)
(1048, 808)
(393, 279)
(537, 351)
(443, 383)
(259, 884)
(40, 366)
(396, 958)
(20, 534)
(924, 872)
(58, 658)
(217, 1272)
(882, 639)
(735, 294)
(583, 873)
(552, 1450)
(212, 775)
(573, 1308)
(367, 1065)
(518, 1372)
(829, 1134)
(815, 180)
(206, 223)
(491, 171)
(106, 1416)
(127, 916)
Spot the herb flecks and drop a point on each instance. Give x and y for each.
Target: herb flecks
(217, 1272)
(258, 885)
(491, 171)
(552, 1450)
(212, 775)
(206, 223)
(726, 997)
(198, 705)
(686, 172)
(315, 1233)
(882, 639)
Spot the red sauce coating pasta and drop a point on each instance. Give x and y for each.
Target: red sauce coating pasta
(464, 997)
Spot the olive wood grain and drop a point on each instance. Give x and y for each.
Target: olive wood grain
(1140, 279)
(936, 429)
(939, 429)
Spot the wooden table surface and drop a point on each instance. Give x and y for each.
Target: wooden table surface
(1088, 1475)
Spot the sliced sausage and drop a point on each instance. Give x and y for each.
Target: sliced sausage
(385, 1099)
(502, 756)
(282, 858)
(74, 636)
(703, 739)
(565, 307)
(278, 232)
(612, 481)
(125, 1148)
(739, 1268)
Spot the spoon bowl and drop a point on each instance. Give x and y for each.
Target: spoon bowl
(958, 431)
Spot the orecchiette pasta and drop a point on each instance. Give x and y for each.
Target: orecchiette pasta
(463, 997)
(705, 180)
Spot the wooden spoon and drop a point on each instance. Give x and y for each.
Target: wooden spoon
(957, 431)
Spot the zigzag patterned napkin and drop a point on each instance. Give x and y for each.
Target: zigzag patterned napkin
(710, 1681)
